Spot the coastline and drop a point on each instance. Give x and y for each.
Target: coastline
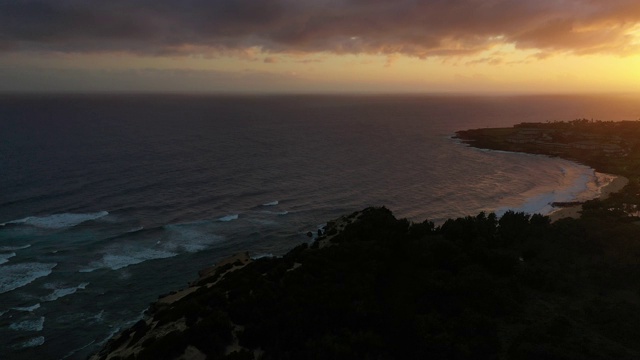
(617, 184)
(168, 311)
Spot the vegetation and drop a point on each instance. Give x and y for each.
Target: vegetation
(518, 287)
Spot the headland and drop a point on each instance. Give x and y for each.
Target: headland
(479, 287)
(606, 146)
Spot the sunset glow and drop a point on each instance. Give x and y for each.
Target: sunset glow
(321, 46)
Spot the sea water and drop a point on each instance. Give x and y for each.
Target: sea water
(107, 201)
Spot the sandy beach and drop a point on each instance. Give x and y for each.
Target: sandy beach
(574, 211)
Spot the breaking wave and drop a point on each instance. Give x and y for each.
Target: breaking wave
(4, 258)
(57, 221)
(229, 218)
(38, 341)
(19, 275)
(62, 292)
(28, 325)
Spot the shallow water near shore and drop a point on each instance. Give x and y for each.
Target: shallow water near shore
(109, 201)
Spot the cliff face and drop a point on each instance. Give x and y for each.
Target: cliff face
(381, 288)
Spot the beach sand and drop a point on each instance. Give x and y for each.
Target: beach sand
(574, 211)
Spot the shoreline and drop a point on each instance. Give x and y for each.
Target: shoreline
(574, 212)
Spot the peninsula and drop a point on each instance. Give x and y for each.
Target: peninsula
(478, 287)
(606, 146)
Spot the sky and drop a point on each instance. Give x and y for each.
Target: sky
(317, 46)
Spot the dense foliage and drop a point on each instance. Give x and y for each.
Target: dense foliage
(517, 287)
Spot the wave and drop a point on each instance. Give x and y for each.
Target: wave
(577, 184)
(278, 213)
(601, 181)
(57, 221)
(170, 241)
(190, 237)
(136, 229)
(28, 325)
(540, 204)
(62, 292)
(27, 308)
(116, 261)
(134, 233)
(273, 203)
(19, 275)
(229, 218)
(38, 341)
(4, 258)
(13, 248)
(263, 222)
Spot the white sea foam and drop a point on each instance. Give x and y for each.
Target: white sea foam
(540, 204)
(13, 248)
(578, 183)
(177, 239)
(190, 237)
(136, 229)
(62, 292)
(4, 258)
(58, 221)
(28, 325)
(27, 308)
(19, 275)
(273, 203)
(119, 260)
(277, 213)
(262, 255)
(38, 341)
(229, 218)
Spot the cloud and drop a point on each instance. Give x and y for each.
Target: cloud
(485, 60)
(420, 28)
(391, 59)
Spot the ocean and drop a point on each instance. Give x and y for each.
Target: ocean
(107, 201)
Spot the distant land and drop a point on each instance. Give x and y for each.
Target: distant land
(607, 146)
(479, 287)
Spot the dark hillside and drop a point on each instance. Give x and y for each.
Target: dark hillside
(375, 287)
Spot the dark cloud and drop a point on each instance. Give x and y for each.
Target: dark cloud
(412, 27)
